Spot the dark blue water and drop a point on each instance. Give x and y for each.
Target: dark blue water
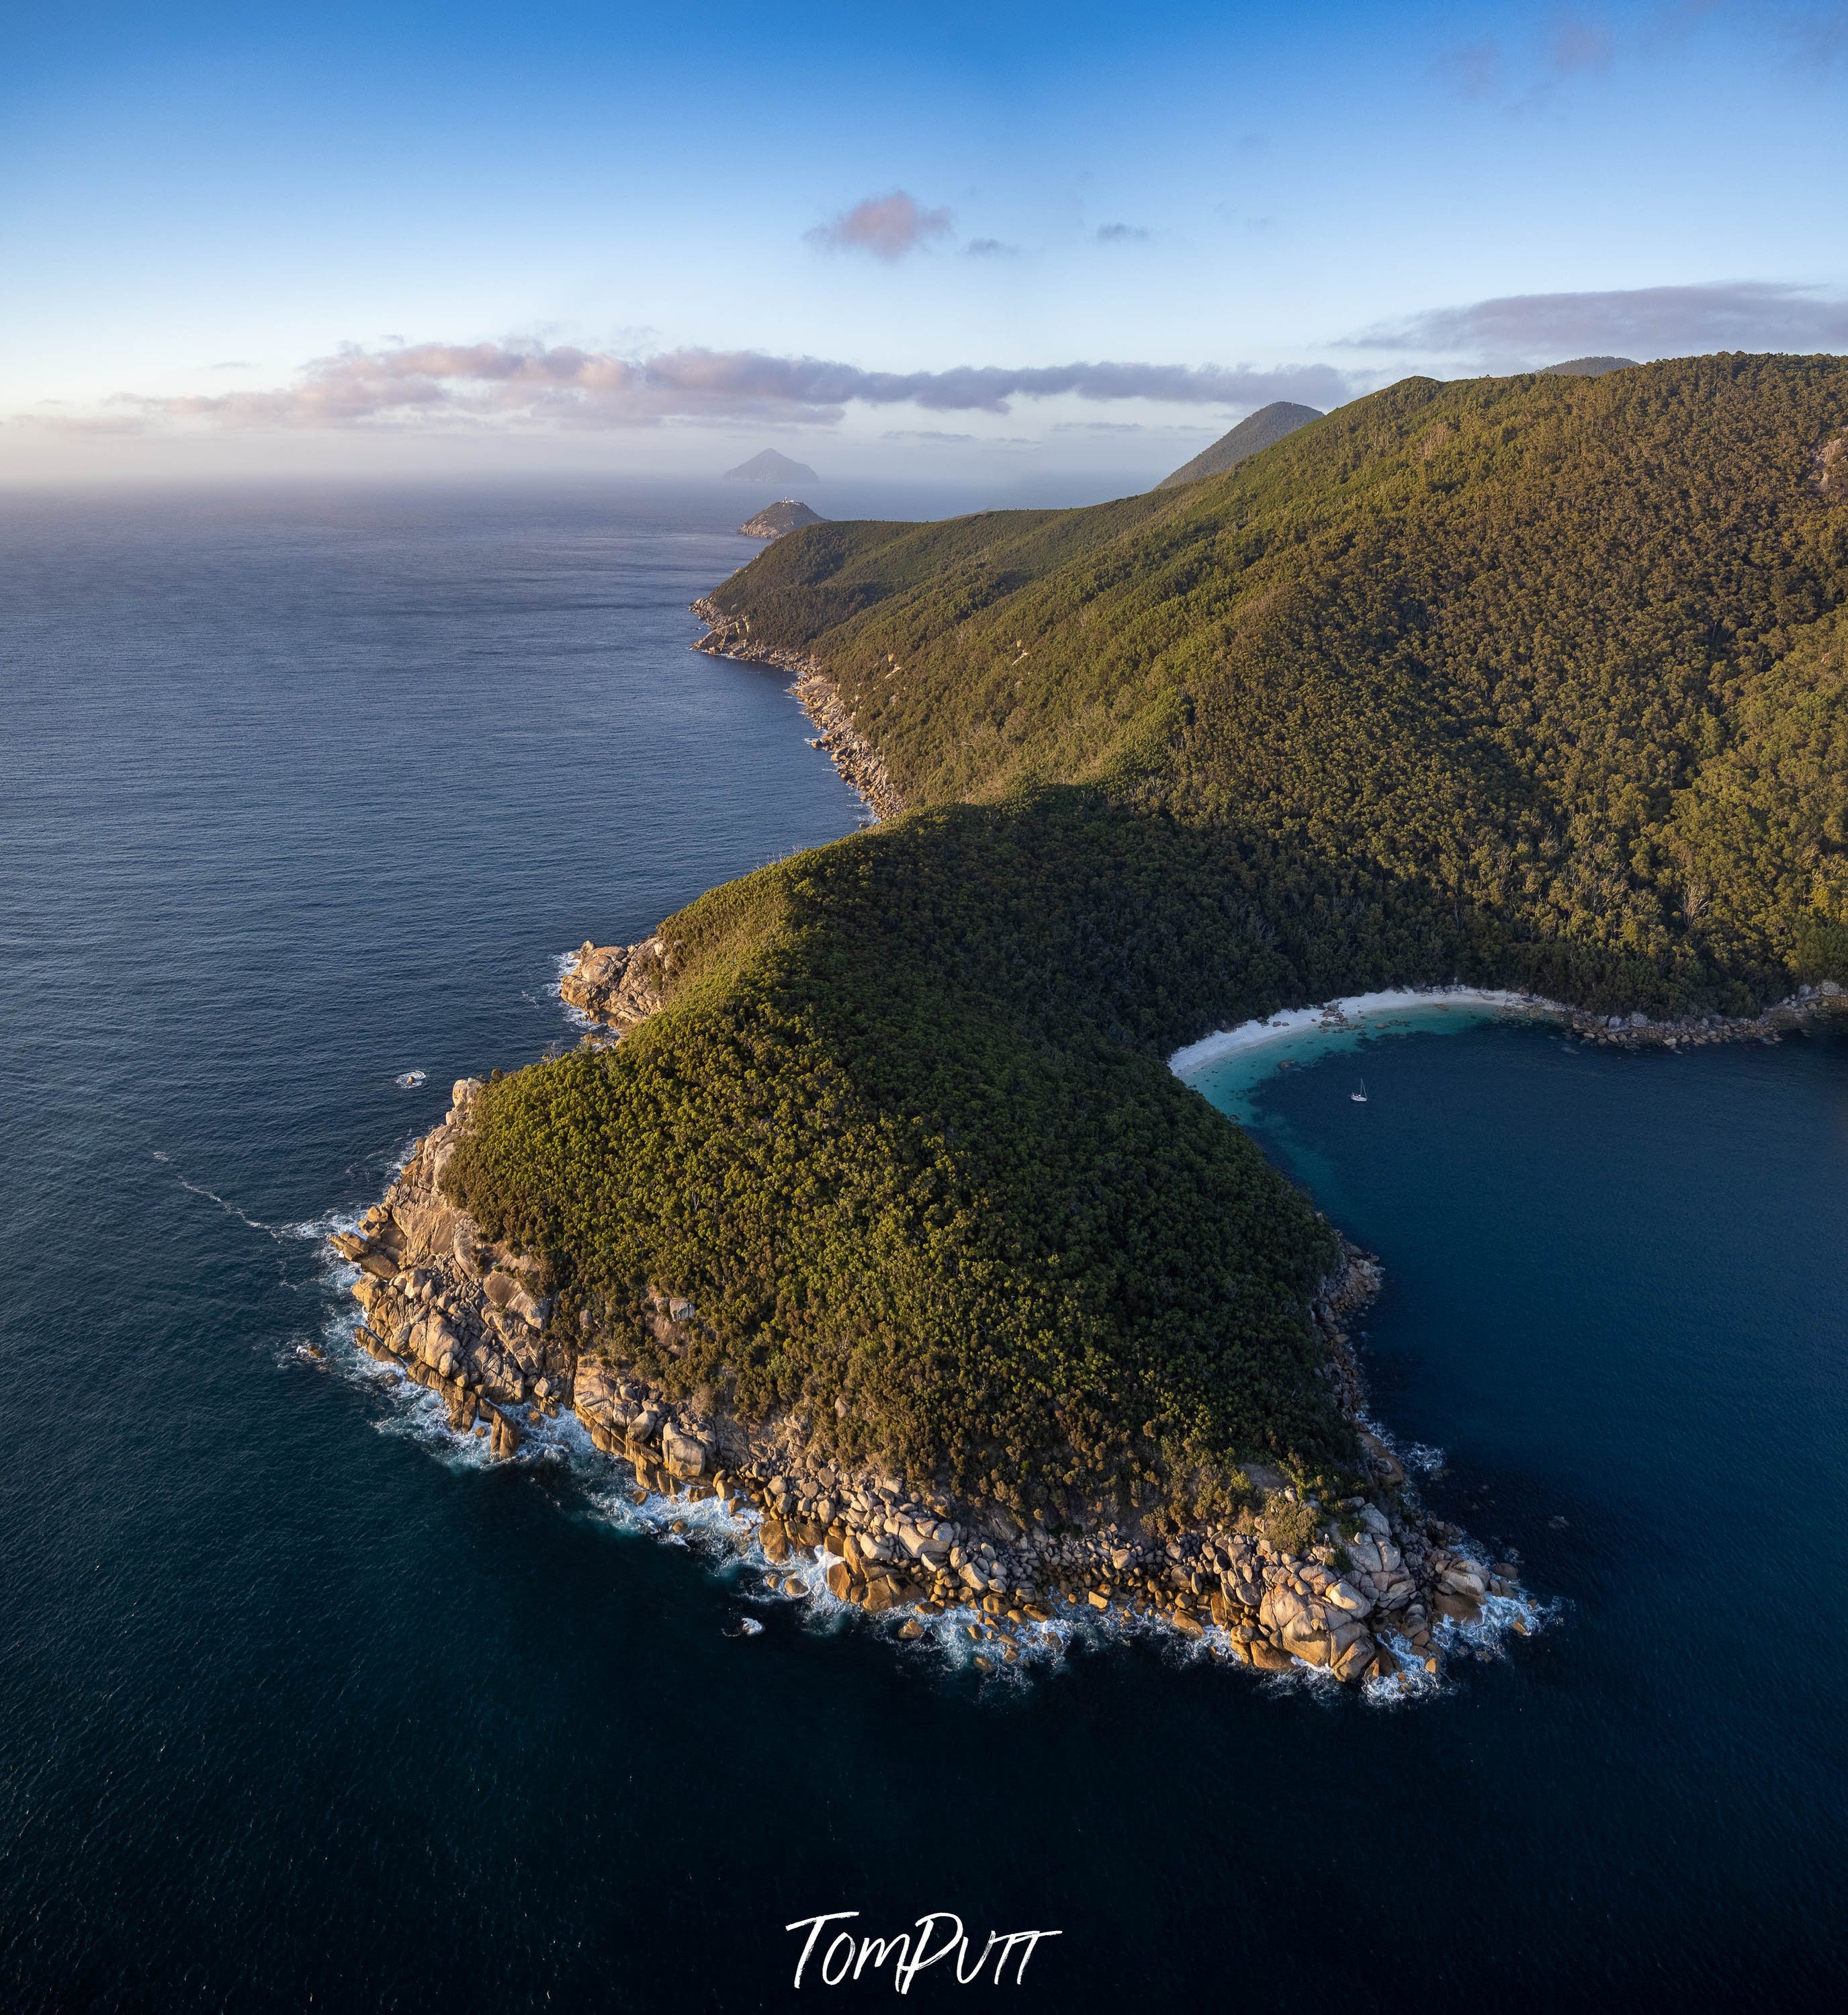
(296, 1711)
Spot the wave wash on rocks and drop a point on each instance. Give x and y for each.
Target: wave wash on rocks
(1365, 1589)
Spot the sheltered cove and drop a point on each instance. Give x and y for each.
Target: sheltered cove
(1357, 1011)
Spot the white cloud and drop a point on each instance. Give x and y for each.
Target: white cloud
(887, 226)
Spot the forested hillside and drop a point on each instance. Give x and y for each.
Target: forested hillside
(1484, 638)
(1536, 680)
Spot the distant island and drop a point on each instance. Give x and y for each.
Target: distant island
(775, 519)
(773, 468)
(1261, 430)
(871, 1201)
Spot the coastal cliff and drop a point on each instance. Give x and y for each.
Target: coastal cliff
(1363, 1587)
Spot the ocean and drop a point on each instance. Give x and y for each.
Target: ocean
(303, 1706)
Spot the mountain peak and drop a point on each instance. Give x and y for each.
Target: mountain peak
(1259, 430)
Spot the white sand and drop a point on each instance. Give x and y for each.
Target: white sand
(1354, 1011)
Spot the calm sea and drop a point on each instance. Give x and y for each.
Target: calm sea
(300, 1709)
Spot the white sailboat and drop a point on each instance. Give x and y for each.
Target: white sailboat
(1360, 1096)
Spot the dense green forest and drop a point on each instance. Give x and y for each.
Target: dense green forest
(1540, 681)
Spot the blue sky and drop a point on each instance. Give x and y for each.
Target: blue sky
(581, 237)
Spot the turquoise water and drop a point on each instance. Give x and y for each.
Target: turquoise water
(1237, 1081)
(296, 1708)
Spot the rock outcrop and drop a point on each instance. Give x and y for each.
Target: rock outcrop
(775, 519)
(619, 984)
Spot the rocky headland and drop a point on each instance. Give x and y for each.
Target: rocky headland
(1366, 1587)
(774, 520)
(616, 986)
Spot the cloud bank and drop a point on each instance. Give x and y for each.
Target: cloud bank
(504, 385)
(522, 386)
(1637, 321)
(887, 226)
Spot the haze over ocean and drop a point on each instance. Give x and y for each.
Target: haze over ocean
(300, 1706)
(1004, 245)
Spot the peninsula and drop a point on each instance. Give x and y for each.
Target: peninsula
(872, 1203)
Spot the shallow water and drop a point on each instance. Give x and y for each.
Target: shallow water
(1234, 1067)
(299, 1704)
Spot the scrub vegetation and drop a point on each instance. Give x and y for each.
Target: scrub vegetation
(1537, 681)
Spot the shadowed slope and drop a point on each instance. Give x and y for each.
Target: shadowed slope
(1481, 636)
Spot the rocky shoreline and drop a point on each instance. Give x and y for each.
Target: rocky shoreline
(1639, 1031)
(852, 755)
(1367, 1589)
